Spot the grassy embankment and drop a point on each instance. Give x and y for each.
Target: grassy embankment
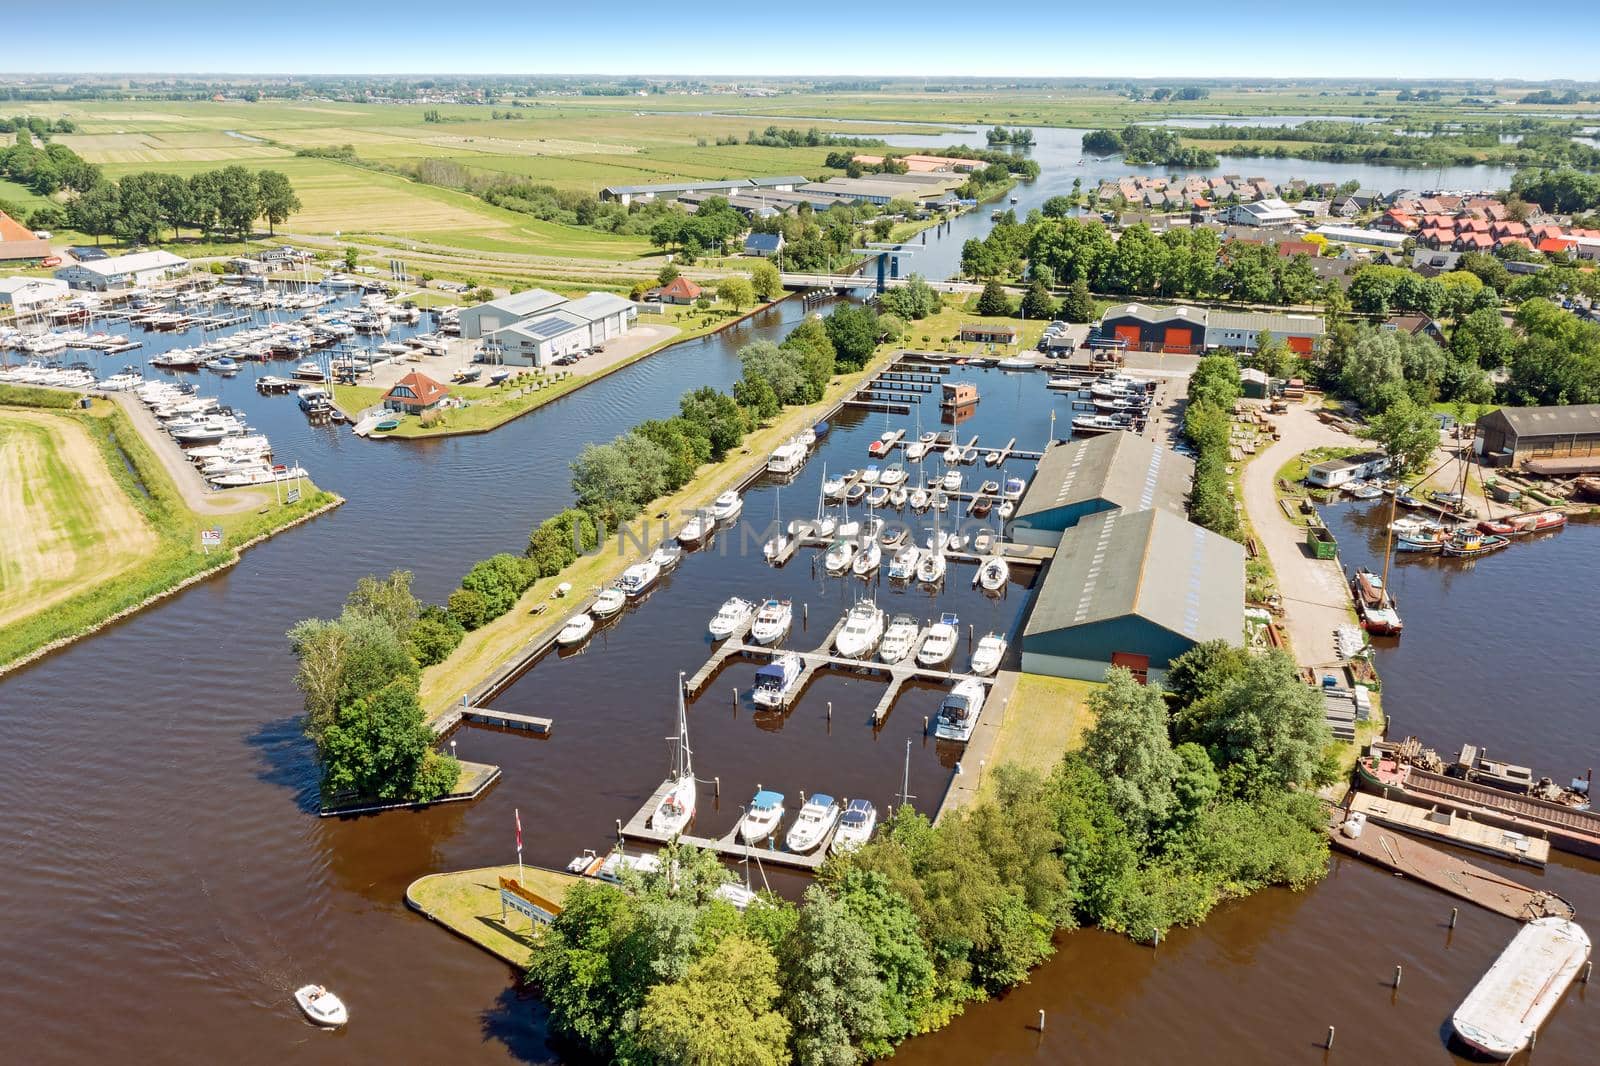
(467, 902)
(1045, 718)
(94, 524)
(486, 648)
(489, 407)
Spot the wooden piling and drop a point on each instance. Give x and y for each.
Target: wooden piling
(1454, 911)
(1397, 977)
(1328, 1045)
(1041, 1019)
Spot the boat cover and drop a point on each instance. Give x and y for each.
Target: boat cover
(772, 673)
(821, 799)
(766, 798)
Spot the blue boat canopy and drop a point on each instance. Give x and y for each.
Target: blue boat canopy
(861, 805)
(765, 798)
(822, 799)
(821, 429)
(949, 618)
(771, 672)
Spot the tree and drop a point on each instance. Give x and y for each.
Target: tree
(140, 217)
(95, 211)
(900, 958)
(765, 281)
(737, 292)
(667, 274)
(993, 300)
(1264, 727)
(278, 199)
(376, 745)
(352, 256)
(717, 416)
(388, 600)
(205, 202)
(238, 199)
(1128, 744)
(342, 660)
(720, 1012)
(1078, 305)
(1037, 303)
(175, 201)
(1408, 433)
(853, 329)
(833, 993)
(1372, 364)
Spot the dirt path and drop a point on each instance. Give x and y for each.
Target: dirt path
(199, 497)
(1315, 599)
(68, 524)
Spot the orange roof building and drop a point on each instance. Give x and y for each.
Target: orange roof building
(414, 393)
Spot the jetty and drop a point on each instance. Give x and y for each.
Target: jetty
(1449, 826)
(1446, 872)
(728, 845)
(450, 720)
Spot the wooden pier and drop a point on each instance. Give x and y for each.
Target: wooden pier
(728, 845)
(1448, 873)
(448, 722)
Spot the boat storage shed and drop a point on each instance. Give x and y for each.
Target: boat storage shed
(1112, 471)
(1136, 590)
(483, 319)
(1549, 440)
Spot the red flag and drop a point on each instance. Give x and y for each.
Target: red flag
(518, 813)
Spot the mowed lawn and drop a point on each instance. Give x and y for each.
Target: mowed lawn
(68, 524)
(1044, 719)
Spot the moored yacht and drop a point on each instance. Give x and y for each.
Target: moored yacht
(903, 566)
(676, 809)
(863, 628)
(899, 638)
(576, 631)
(733, 616)
(727, 506)
(772, 621)
(778, 681)
(958, 715)
(860, 818)
(986, 659)
(812, 825)
(609, 602)
(637, 579)
(761, 820)
(940, 643)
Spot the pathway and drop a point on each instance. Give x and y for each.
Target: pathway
(191, 486)
(1315, 599)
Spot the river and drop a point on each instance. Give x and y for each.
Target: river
(168, 885)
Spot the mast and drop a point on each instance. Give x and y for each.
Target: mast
(685, 757)
(1388, 545)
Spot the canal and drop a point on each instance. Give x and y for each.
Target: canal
(167, 885)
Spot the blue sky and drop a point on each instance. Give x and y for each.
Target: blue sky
(1068, 38)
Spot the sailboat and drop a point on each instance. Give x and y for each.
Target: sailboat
(778, 544)
(673, 813)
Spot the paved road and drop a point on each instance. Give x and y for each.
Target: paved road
(1315, 598)
(200, 497)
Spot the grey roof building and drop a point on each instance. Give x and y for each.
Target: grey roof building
(483, 319)
(1133, 589)
(1080, 478)
(1547, 440)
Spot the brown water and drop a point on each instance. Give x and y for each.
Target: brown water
(166, 885)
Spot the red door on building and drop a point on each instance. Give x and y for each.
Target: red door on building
(1137, 665)
(1300, 346)
(1178, 339)
(1129, 335)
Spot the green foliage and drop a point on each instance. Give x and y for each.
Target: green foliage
(765, 282)
(1037, 302)
(1147, 144)
(720, 1012)
(556, 542)
(467, 609)
(993, 301)
(833, 993)
(853, 329)
(1078, 305)
(1408, 432)
(736, 292)
(914, 300)
(435, 635)
(1128, 745)
(376, 745)
(614, 481)
(1213, 388)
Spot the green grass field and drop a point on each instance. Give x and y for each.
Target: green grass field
(468, 902)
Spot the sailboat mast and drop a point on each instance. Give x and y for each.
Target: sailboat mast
(1388, 543)
(685, 756)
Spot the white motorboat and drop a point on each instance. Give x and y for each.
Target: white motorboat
(993, 574)
(321, 1006)
(787, 458)
(733, 616)
(919, 499)
(951, 482)
(1014, 488)
(727, 506)
(892, 475)
(836, 487)
(309, 371)
(261, 475)
(667, 556)
(609, 602)
(863, 628)
(867, 559)
(637, 579)
(898, 497)
(1007, 509)
(839, 556)
(1089, 424)
(772, 621)
(940, 643)
(958, 715)
(903, 567)
(931, 567)
(777, 682)
(992, 459)
(878, 497)
(870, 475)
(890, 540)
(915, 451)
(576, 631)
(1064, 384)
(956, 543)
(676, 809)
(761, 820)
(969, 455)
(696, 529)
(812, 825)
(952, 455)
(856, 825)
(986, 658)
(898, 638)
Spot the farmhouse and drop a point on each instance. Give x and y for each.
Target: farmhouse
(123, 271)
(23, 295)
(1543, 440)
(1135, 590)
(414, 393)
(680, 290)
(1114, 471)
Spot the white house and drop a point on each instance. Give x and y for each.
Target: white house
(1268, 212)
(1371, 238)
(1335, 472)
(123, 271)
(27, 294)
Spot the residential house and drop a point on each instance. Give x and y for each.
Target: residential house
(1268, 212)
(1416, 325)
(680, 290)
(18, 243)
(414, 394)
(765, 245)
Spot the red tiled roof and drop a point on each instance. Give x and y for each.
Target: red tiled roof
(424, 390)
(1289, 249)
(1475, 240)
(680, 286)
(1505, 241)
(1554, 244)
(12, 230)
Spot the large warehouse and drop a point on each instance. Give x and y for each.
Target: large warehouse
(1113, 471)
(1136, 590)
(1545, 440)
(480, 320)
(567, 327)
(123, 271)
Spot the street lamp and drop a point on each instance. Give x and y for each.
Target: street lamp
(452, 749)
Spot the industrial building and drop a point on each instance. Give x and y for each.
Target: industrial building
(123, 271)
(1371, 238)
(1190, 330)
(1543, 440)
(23, 295)
(1114, 471)
(567, 328)
(1133, 589)
(483, 319)
(626, 194)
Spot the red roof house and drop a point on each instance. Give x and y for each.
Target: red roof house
(680, 290)
(1505, 242)
(1290, 249)
(1474, 242)
(18, 242)
(414, 393)
(1555, 245)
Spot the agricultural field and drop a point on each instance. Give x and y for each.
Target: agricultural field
(69, 525)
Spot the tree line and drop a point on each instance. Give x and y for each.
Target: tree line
(1175, 802)
(1214, 387)
(140, 207)
(1147, 145)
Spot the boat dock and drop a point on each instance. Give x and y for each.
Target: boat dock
(822, 657)
(447, 723)
(1446, 872)
(1451, 827)
(728, 845)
